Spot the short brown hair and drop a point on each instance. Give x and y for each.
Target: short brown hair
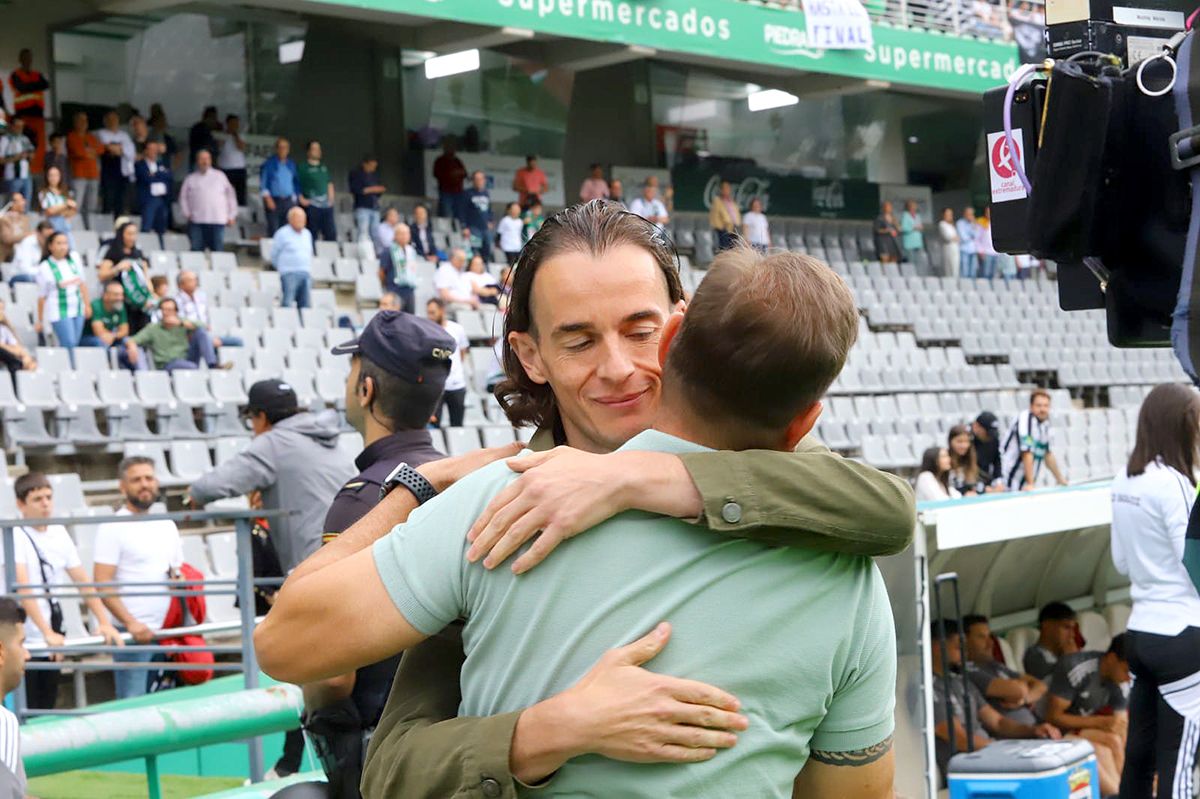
(1038, 392)
(594, 227)
(29, 482)
(1168, 428)
(763, 338)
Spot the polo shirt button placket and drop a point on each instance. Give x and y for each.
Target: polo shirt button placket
(490, 787)
(731, 512)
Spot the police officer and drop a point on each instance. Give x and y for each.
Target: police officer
(397, 372)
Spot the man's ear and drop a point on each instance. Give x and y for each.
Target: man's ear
(366, 392)
(526, 349)
(802, 425)
(670, 330)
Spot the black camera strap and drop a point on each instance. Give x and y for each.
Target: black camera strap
(1185, 154)
(56, 616)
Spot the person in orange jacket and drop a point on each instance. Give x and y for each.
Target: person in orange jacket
(29, 102)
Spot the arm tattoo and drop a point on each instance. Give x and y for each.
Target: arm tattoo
(856, 757)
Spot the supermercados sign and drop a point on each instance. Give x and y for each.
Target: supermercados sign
(737, 31)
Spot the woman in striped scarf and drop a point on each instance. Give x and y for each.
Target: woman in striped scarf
(62, 293)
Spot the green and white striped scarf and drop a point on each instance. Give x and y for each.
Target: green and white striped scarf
(69, 300)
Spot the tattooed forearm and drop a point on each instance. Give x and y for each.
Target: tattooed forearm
(856, 757)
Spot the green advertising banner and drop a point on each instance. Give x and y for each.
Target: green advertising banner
(782, 194)
(738, 31)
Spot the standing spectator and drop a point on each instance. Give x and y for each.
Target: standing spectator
(15, 226)
(62, 294)
(280, 185)
(1027, 445)
(292, 254)
(985, 433)
(316, 193)
(27, 254)
(1013, 694)
(648, 206)
(397, 266)
(454, 398)
(511, 232)
(154, 185)
(912, 231)
(534, 219)
(137, 552)
(16, 153)
(116, 164)
(390, 301)
(482, 281)
(968, 244)
(453, 286)
(983, 245)
(294, 460)
(57, 204)
(1058, 636)
(367, 187)
(724, 217)
(422, 235)
(56, 154)
(616, 192)
(209, 204)
(139, 131)
(479, 215)
(933, 483)
(1152, 498)
(232, 158)
(887, 246)
(13, 656)
(384, 233)
(13, 355)
(123, 261)
(173, 342)
(594, 186)
(964, 469)
(949, 238)
(754, 224)
(29, 101)
(450, 173)
(201, 136)
(45, 557)
(530, 183)
(109, 325)
(159, 129)
(84, 150)
(193, 307)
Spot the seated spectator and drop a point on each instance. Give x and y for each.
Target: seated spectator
(389, 301)
(1014, 694)
(13, 355)
(56, 202)
(109, 325)
(986, 721)
(649, 206)
(27, 254)
(510, 231)
(124, 261)
(755, 226)
(15, 226)
(933, 483)
(63, 300)
(964, 471)
(535, 217)
(174, 343)
(1086, 698)
(208, 203)
(397, 267)
(452, 284)
(292, 254)
(422, 236)
(985, 432)
(1058, 637)
(486, 288)
(193, 307)
(384, 232)
(594, 187)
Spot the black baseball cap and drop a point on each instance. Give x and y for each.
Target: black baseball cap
(271, 395)
(987, 420)
(414, 349)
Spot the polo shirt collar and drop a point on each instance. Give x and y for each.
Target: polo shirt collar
(395, 446)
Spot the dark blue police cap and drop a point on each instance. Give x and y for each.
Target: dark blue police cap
(409, 347)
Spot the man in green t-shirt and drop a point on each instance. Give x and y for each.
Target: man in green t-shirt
(316, 193)
(174, 343)
(109, 326)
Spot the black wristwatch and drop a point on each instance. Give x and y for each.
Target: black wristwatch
(410, 478)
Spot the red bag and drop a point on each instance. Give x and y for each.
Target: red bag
(184, 612)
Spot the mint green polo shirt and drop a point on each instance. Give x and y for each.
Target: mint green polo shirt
(804, 639)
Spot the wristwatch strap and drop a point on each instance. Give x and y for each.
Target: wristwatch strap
(410, 478)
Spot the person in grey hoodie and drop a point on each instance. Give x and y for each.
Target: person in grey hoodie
(293, 460)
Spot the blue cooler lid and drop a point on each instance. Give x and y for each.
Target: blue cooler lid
(1021, 757)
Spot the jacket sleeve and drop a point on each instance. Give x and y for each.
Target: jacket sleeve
(812, 498)
(185, 205)
(250, 470)
(264, 177)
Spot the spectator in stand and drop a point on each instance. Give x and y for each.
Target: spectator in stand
(292, 254)
(280, 185)
(84, 150)
(1013, 694)
(17, 153)
(1027, 445)
(13, 355)
(125, 262)
(482, 281)
(887, 246)
(933, 483)
(367, 187)
(202, 135)
(616, 192)
(594, 187)
(454, 398)
(173, 342)
(725, 217)
(15, 226)
(159, 286)
(154, 183)
(648, 206)
(983, 245)
(159, 129)
(534, 219)
(1058, 636)
(755, 227)
(29, 100)
(397, 268)
(450, 173)
(56, 202)
(56, 154)
(137, 552)
(208, 203)
(422, 235)
(62, 294)
(511, 232)
(116, 164)
(45, 556)
(139, 131)
(912, 231)
(949, 238)
(530, 183)
(964, 468)
(968, 244)
(1087, 698)
(193, 307)
(293, 459)
(13, 656)
(986, 720)
(390, 301)
(27, 254)
(109, 325)
(985, 433)
(232, 158)
(453, 286)
(384, 233)
(316, 193)
(478, 215)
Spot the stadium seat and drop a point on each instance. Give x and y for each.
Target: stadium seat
(68, 493)
(36, 389)
(153, 388)
(191, 386)
(228, 446)
(78, 389)
(190, 459)
(53, 359)
(1095, 632)
(127, 422)
(497, 435)
(222, 549)
(226, 386)
(331, 387)
(1117, 617)
(91, 360)
(320, 318)
(222, 419)
(302, 383)
(77, 424)
(461, 440)
(328, 250)
(195, 553)
(154, 451)
(224, 262)
(285, 318)
(176, 420)
(1021, 639)
(301, 358)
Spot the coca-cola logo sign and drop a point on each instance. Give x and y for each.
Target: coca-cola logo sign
(743, 191)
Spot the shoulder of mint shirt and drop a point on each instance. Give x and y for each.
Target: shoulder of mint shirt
(810, 498)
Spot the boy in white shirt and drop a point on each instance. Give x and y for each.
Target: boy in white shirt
(511, 230)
